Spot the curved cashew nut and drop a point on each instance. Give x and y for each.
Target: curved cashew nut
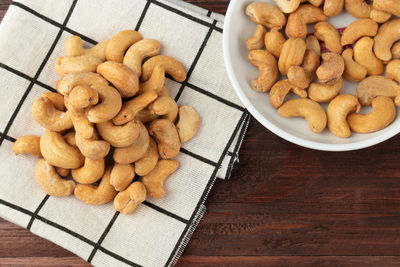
(331, 69)
(274, 41)
(312, 43)
(358, 8)
(147, 163)
(134, 152)
(257, 40)
(313, 113)
(396, 50)
(122, 77)
(279, 92)
(388, 33)
(109, 106)
(379, 16)
(84, 63)
(364, 55)
(171, 66)
(127, 200)
(325, 31)
(390, 6)
(119, 136)
(70, 138)
(155, 83)
(165, 105)
(145, 115)
(292, 54)
(352, 70)
(57, 99)
(393, 70)
(358, 29)
(138, 52)
(167, 137)
(267, 66)
(58, 153)
(383, 114)
(332, 8)
(133, 106)
(338, 110)
(62, 172)
(315, 3)
(51, 182)
(266, 14)
(122, 176)
(28, 144)
(119, 43)
(74, 48)
(82, 97)
(154, 181)
(297, 22)
(188, 123)
(81, 124)
(90, 172)
(73, 79)
(374, 86)
(301, 77)
(91, 147)
(96, 195)
(324, 93)
(288, 6)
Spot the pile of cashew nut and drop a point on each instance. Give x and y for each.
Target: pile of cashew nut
(111, 120)
(282, 47)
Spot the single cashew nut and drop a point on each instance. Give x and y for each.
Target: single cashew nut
(279, 92)
(332, 8)
(147, 163)
(383, 114)
(73, 46)
(98, 50)
(109, 106)
(358, 8)
(390, 6)
(58, 153)
(91, 147)
(266, 14)
(70, 138)
(71, 80)
(312, 43)
(299, 77)
(122, 77)
(62, 172)
(119, 136)
(379, 16)
(364, 55)
(154, 181)
(127, 200)
(145, 115)
(155, 83)
(57, 99)
(393, 70)
(51, 182)
(292, 54)
(167, 137)
(96, 195)
(331, 69)
(288, 6)
(165, 105)
(119, 43)
(90, 172)
(388, 33)
(374, 86)
(138, 52)
(257, 40)
(396, 50)
(188, 123)
(297, 22)
(274, 41)
(122, 176)
(324, 93)
(338, 110)
(84, 63)
(82, 97)
(267, 66)
(28, 144)
(171, 66)
(325, 31)
(352, 70)
(315, 3)
(81, 124)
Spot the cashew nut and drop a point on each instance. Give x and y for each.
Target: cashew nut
(313, 113)
(312, 43)
(315, 3)
(288, 6)
(352, 70)
(325, 31)
(163, 92)
(91, 147)
(58, 153)
(119, 43)
(380, 16)
(299, 77)
(364, 55)
(171, 66)
(390, 6)
(154, 181)
(147, 163)
(297, 22)
(138, 52)
(28, 144)
(165, 105)
(257, 40)
(383, 114)
(134, 152)
(188, 123)
(70, 138)
(393, 70)
(74, 48)
(274, 41)
(332, 8)
(122, 77)
(57, 99)
(62, 172)
(96, 195)
(155, 83)
(323, 93)
(122, 176)
(388, 33)
(331, 69)
(82, 97)
(267, 67)
(145, 115)
(119, 136)
(338, 110)
(167, 137)
(358, 8)
(73, 79)
(292, 54)
(98, 50)
(51, 182)
(84, 63)
(127, 201)
(279, 92)
(374, 86)
(90, 172)
(266, 14)
(109, 106)
(81, 124)
(396, 50)
(133, 106)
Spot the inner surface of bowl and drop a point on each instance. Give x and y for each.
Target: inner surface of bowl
(238, 27)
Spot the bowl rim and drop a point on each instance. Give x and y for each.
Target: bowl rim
(270, 126)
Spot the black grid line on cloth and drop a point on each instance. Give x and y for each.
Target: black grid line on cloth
(143, 15)
(209, 13)
(165, 212)
(207, 189)
(33, 217)
(200, 158)
(8, 138)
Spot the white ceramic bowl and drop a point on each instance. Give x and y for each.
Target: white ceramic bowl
(238, 27)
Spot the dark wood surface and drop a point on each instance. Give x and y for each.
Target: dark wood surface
(284, 206)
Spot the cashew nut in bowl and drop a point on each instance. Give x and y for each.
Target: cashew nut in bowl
(352, 70)
(119, 43)
(154, 181)
(359, 29)
(147, 163)
(279, 92)
(119, 136)
(396, 50)
(109, 106)
(325, 31)
(58, 153)
(90, 172)
(85, 78)
(383, 114)
(266, 14)
(155, 83)
(297, 22)
(323, 93)
(171, 66)
(127, 200)
(122, 176)
(390, 6)
(138, 52)
(379, 16)
(122, 77)
(91, 147)
(267, 67)
(167, 137)
(388, 34)
(393, 70)
(299, 77)
(358, 8)
(62, 172)
(315, 3)
(166, 107)
(134, 152)
(28, 144)
(84, 63)
(313, 113)
(364, 55)
(51, 182)
(96, 195)
(312, 43)
(338, 110)
(288, 6)
(332, 8)
(292, 54)
(82, 97)
(331, 69)
(374, 86)
(274, 41)
(57, 99)
(145, 115)
(188, 123)
(257, 40)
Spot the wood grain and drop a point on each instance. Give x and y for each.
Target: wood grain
(284, 206)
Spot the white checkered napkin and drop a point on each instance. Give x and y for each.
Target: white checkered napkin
(32, 35)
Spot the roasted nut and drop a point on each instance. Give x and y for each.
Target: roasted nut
(364, 56)
(70, 138)
(120, 42)
(122, 176)
(109, 106)
(315, 3)
(374, 86)
(390, 6)
(393, 70)
(358, 8)
(358, 29)
(292, 54)
(257, 40)
(139, 51)
(62, 172)
(73, 46)
(81, 123)
(91, 147)
(147, 163)
(188, 123)
(297, 22)
(127, 201)
(312, 43)
(288, 6)
(167, 137)
(379, 16)
(155, 83)
(331, 69)
(332, 8)
(82, 97)
(323, 93)
(396, 50)
(274, 41)
(28, 144)
(90, 172)
(84, 63)
(352, 70)
(298, 77)
(171, 66)
(98, 50)
(119, 136)
(145, 115)
(279, 92)
(325, 31)
(268, 71)
(266, 14)
(57, 99)
(74, 79)
(165, 106)
(388, 33)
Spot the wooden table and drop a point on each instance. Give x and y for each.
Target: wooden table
(284, 206)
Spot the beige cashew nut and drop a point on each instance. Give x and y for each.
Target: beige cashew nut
(188, 123)
(279, 92)
(138, 52)
(358, 8)
(388, 34)
(323, 93)
(147, 163)
(91, 147)
(165, 106)
(127, 200)
(167, 137)
(374, 86)
(265, 14)
(171, 66)
(119, 43)
(325, 31)
(267, 67)
(28, 144)
(352, 70)
(84, 63)
(155, 83)
(297, 22)
(85, 78)
(331, 69)
(90, 172)
(122, 176)
(274, 41)
(257, 40)
(119, 135)
(109, 106)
